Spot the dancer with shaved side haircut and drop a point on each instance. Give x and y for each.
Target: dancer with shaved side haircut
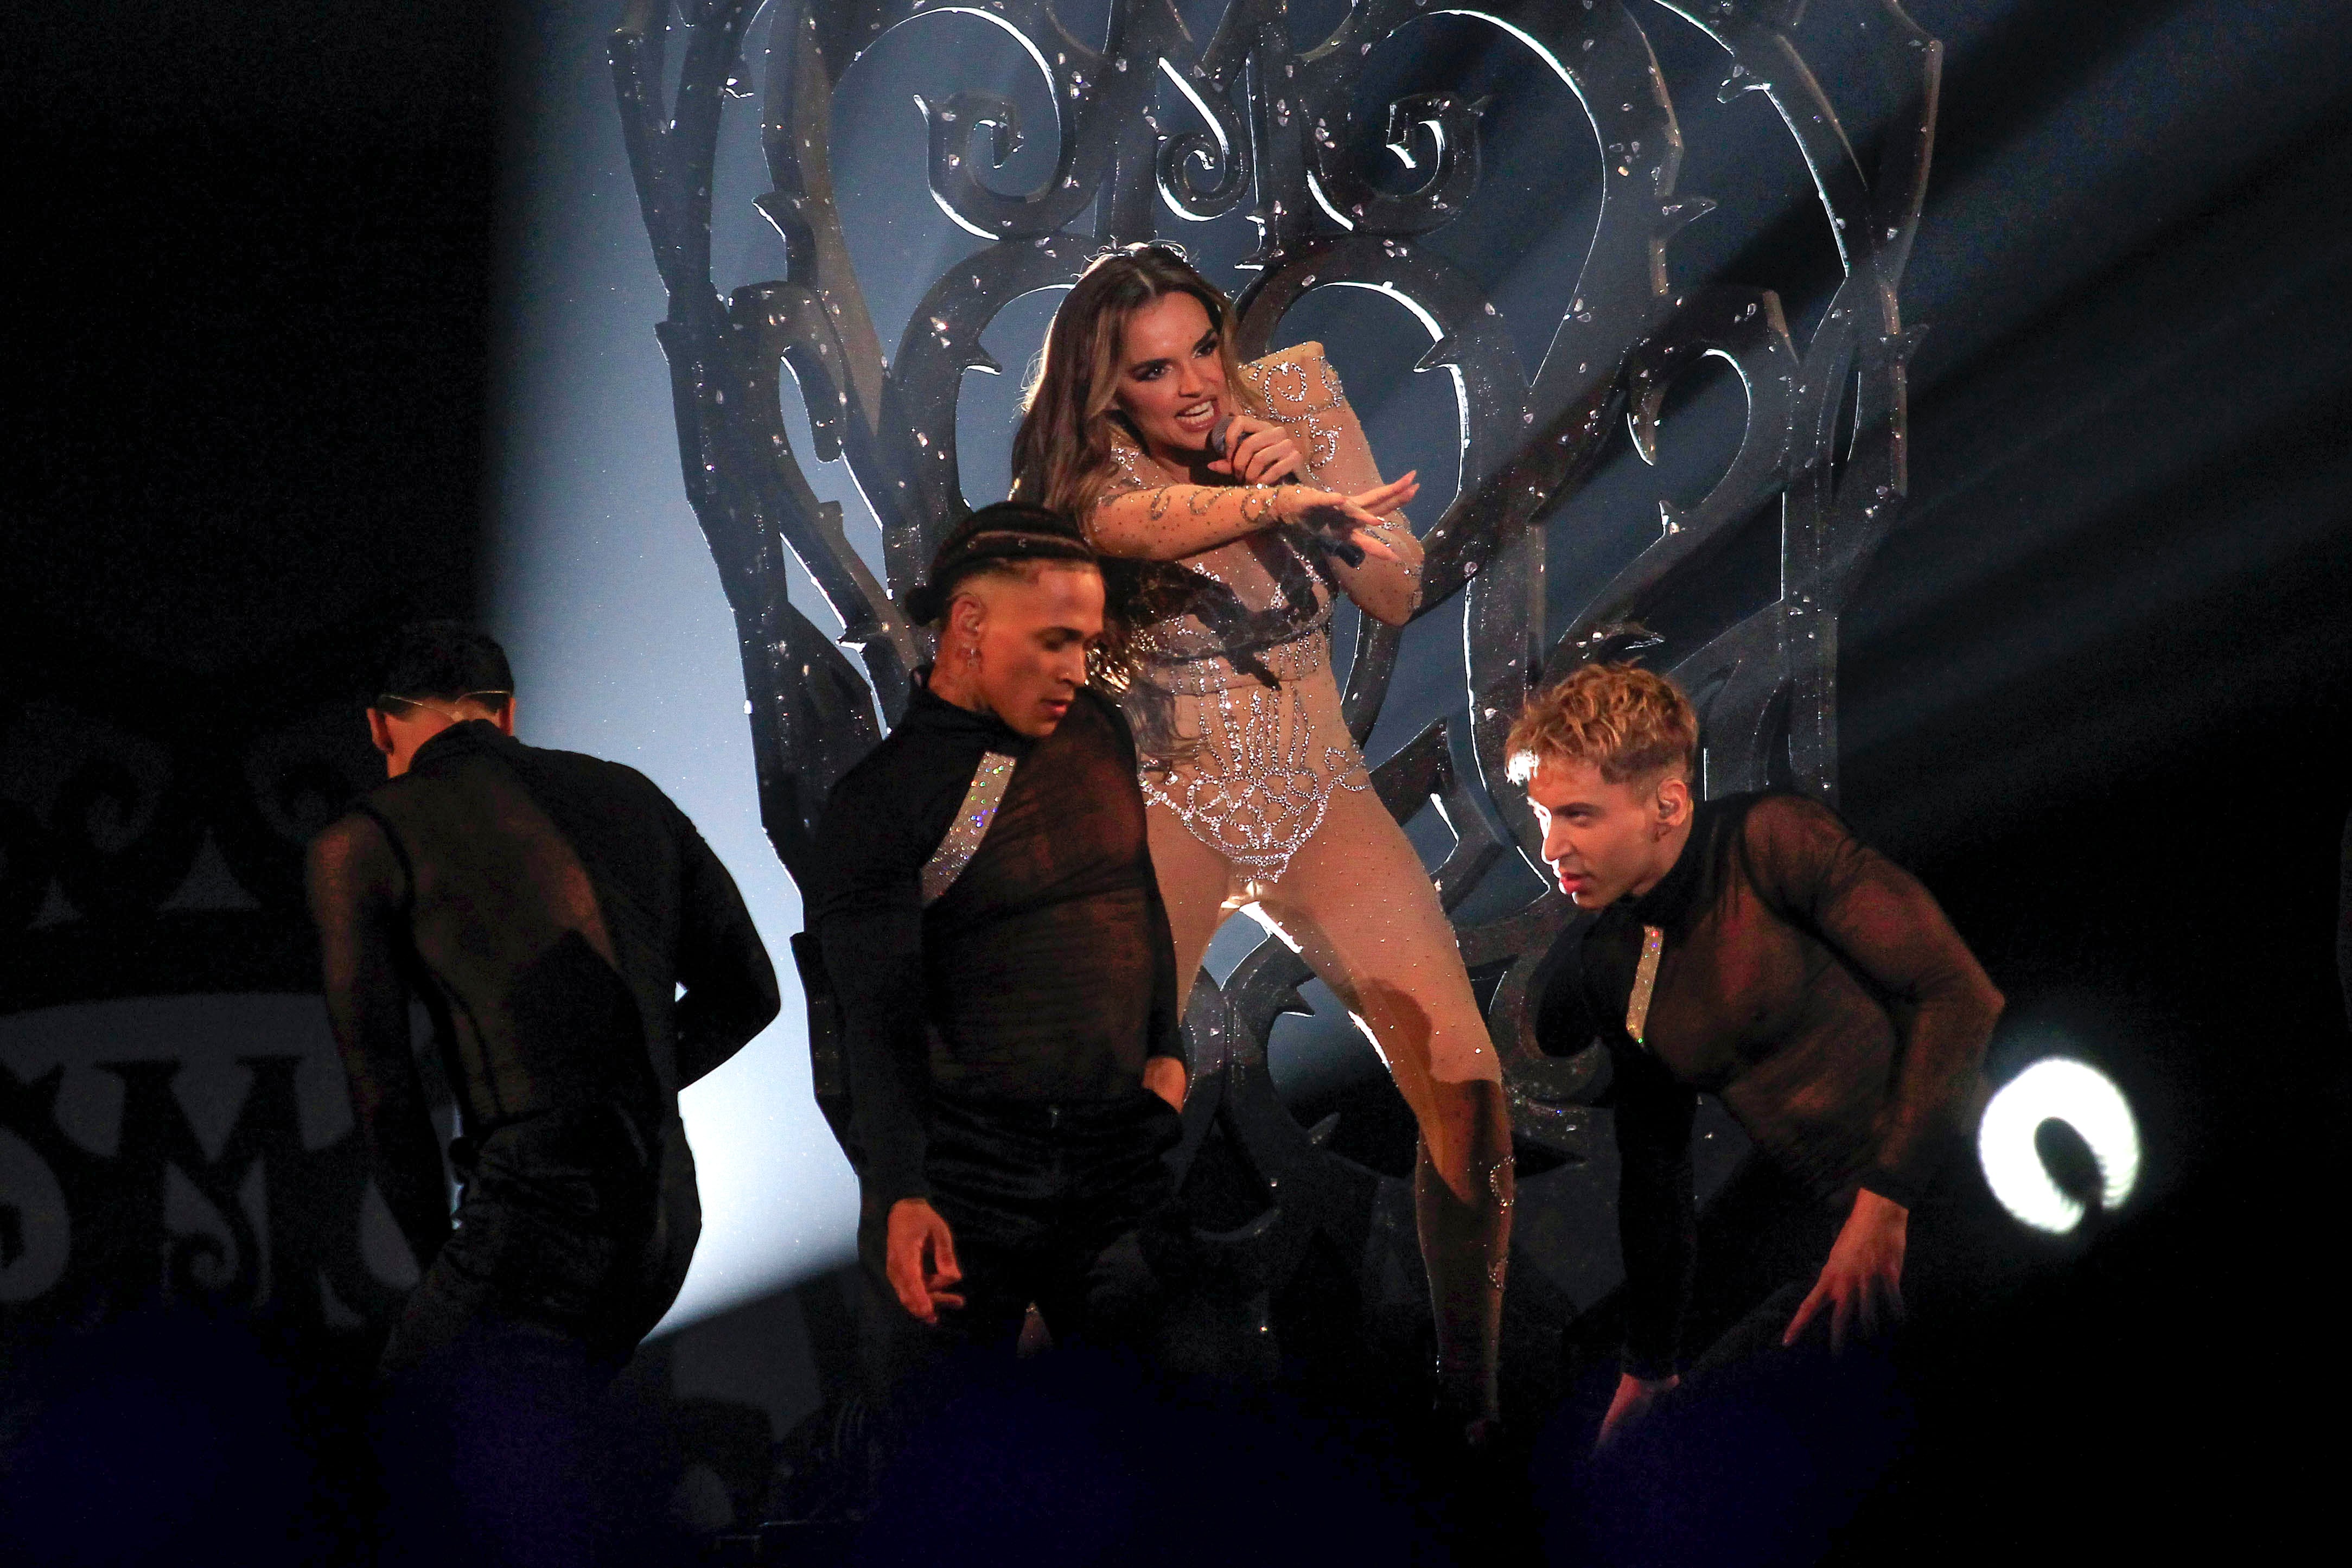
(1000, 968)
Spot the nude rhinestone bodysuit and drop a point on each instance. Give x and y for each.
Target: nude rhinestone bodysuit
(1233, 703)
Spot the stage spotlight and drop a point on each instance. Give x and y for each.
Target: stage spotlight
(2057, 1089)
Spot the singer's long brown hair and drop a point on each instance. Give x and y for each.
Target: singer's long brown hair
(1061, 455)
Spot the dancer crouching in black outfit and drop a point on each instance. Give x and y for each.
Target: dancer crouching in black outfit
(996, 944)
(1749, 947)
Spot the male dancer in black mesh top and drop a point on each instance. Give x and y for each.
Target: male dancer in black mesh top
(547, 908)
(1002, 960)
(1751, 947)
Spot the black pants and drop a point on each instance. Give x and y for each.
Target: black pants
(573, 1238)
(1764, 1449)
(1062, 1207)
(1070, 1208)
(577, 1225)
(1762, 1245)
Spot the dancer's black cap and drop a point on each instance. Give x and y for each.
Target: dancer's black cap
(1010, 531)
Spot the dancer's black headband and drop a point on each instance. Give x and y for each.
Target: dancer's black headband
(975, 553)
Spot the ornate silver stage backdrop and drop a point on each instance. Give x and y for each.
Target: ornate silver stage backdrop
(1159, 126)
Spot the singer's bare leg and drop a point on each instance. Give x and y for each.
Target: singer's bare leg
(1363, 915)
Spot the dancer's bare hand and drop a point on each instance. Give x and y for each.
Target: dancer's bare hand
(1164, 1075)
(1259, 452)
(1864, 1271)
(919, 1256)
(1633, 1401)
(1348, 515)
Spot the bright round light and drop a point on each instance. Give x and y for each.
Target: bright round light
(2057, 1089)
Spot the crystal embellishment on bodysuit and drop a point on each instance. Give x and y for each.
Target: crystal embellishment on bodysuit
(1231, 697)
(1254, 779)
(969, 826)
(1260, 795)
(1297, 391)
(1494, 1184)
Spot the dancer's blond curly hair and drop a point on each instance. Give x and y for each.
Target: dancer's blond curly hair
(1622, 719)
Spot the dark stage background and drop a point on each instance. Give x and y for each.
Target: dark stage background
(2094, 689)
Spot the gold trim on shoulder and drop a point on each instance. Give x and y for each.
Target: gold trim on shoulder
(1646, 980)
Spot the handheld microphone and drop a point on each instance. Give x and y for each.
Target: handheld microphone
(1327, 526)
(1216, 445)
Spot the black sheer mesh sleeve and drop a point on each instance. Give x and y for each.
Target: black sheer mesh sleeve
(1657, 1211)
(1167, 1037)
(1566, 1021)
(730, 981)
(357, 885)
(1804, 862)
(868, 918)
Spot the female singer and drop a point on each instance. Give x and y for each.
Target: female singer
(1246, 499)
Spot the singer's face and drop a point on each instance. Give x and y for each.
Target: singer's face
(1172, 377)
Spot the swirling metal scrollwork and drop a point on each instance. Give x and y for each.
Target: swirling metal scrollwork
(1254, 122)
